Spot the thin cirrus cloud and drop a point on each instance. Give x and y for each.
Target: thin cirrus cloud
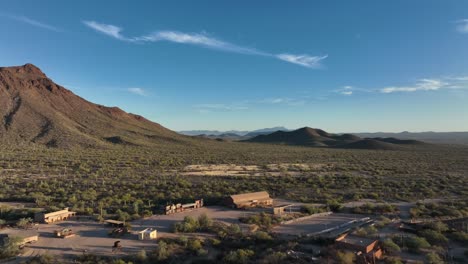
(460, 82)
(137, 91)
(205, 41)
(30, 21)
(462, 26)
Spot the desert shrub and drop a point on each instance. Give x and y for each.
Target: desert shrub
(390, 247)
(345, 257)
(239, 256)
(262, 236)
(415, 244)
(434, 237)
(434, 258)
(10, 247)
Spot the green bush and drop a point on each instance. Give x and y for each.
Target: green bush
(240, 256)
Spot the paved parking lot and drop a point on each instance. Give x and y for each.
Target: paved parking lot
(316, 224)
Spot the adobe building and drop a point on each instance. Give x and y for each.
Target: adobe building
(148, 234)
(367, 250)
(52, 217)
(247, 200)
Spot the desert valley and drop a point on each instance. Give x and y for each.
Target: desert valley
(233, 132)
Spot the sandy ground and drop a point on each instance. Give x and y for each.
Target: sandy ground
(92, 237)
(252, 170)
(164, 223)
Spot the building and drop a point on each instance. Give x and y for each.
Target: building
(52, 217)
(148, 234)
(367, 250)
(280, 209)
(177, 208)
(115, 223)
(246, 200)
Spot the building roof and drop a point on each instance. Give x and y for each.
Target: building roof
(357, 240)
(148, 230)
(114, 222)
(61, 212)
(246, 197)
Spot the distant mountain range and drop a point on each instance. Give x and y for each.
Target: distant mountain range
(311, 137)
(35, 110)
(238, 133)
(429, 137)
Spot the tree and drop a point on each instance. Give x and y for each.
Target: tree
(10, 247)
(345, 257)
(24, 222)
(162, 251)
(416, 243)
(204, 221)
(390, 247)
(438, 226)
(434, 258)
(239, 256)
(434, 237)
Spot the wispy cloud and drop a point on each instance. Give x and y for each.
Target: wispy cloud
(460, 82)
(206, 41)
(137, 91)
(303, 60)
(206, 108)
(283, 100)
(110, 30)
(346, 90)
(31, 22)
(199, 39)
(462, 26)
(420, 85)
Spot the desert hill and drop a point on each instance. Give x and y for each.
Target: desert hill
(37, 110)
(311, 137)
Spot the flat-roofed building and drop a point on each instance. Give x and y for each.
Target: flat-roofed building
(246, 200)
(148, 234)
(52, 217)
(115, 223)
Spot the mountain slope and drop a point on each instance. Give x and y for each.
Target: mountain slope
(311, 137)
(36, 110)
(431, 137)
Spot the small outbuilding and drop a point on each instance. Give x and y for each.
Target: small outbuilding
(115, 223)
(52, 217)
(148, 234)
(247, 200)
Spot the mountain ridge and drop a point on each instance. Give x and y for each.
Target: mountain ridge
(314, 137)
(39, 111)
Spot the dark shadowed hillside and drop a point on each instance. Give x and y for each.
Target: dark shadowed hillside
(36, 110)
(318, 138)
(431, 137)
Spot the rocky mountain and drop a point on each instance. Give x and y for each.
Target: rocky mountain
(34, 109)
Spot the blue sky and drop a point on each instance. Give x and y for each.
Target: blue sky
(343, 66)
